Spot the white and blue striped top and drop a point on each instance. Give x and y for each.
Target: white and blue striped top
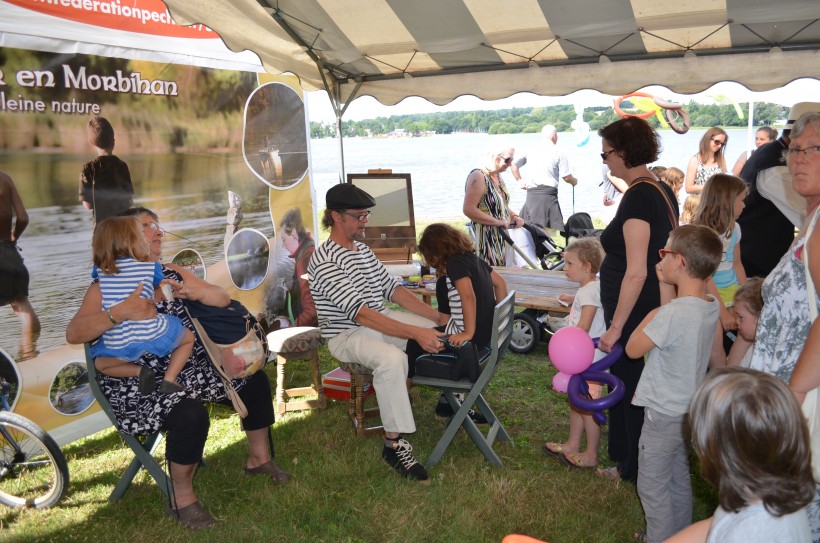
(342, 281)
(115, 288)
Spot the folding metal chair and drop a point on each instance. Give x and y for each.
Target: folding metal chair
(143, 450)
(474, 392)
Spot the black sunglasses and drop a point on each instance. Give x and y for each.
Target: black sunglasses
(507, 160)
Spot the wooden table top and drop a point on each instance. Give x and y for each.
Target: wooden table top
(538, 289)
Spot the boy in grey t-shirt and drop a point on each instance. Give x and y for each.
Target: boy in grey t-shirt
(681, 338)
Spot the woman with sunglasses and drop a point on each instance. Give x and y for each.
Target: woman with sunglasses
(629, 284)
(486, 204)
(182, 414)
(708, 161)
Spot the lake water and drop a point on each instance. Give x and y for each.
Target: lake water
(189, 193)
(439, 165)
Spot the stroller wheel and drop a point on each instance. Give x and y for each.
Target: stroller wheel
(526, 333)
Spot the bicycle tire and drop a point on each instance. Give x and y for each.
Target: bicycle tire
(33, 469)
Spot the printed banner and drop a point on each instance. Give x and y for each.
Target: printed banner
(136, 29)
(220, 155)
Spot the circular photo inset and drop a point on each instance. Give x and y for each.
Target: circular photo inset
(9, 381)
(248, 256)
(191, 260)
(274, 142)
(70, 393)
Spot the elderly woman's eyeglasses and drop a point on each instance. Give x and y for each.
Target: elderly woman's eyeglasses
(360, 216)
(153, 226)
(808, 151)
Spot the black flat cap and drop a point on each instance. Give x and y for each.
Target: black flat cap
(348, 196)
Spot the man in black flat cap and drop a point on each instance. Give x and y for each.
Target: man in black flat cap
(349, 286)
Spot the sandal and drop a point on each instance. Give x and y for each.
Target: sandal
(640, 536)
(553, 449)
(611, 473)
(193, 517)
(572, 461)
(271, 469)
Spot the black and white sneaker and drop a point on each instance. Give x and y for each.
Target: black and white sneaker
(399, 454)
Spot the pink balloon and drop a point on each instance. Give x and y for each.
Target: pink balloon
(571, 350)
(560, 382)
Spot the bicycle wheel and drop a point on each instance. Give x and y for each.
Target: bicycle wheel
(33, 470)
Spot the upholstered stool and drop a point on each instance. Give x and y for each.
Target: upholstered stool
(299, 343)
(359, 376)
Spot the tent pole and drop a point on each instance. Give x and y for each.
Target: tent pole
(340, 135)
(339, 108)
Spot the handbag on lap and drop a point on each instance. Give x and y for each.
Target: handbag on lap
(455, 363)
(234, 341)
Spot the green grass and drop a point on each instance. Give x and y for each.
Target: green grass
(343, 491)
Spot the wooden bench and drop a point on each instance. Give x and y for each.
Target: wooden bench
(538, 289)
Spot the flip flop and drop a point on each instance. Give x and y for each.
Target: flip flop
(572, 461)
(553, 449)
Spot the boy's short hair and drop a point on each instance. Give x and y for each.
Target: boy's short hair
(752, 441)
(100, 133)
(700, 247)
(589, 251)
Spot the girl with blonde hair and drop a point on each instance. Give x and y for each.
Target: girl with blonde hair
(122, 265)
(674, 178)
(721, 203)
(690, 207)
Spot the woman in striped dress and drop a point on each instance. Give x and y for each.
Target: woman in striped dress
(486, 205)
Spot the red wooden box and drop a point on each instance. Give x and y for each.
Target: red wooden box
(337, 385)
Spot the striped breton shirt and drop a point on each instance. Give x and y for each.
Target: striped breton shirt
(479, 273)
(115, 288)
(342, 281)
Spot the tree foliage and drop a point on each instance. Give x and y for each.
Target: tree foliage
(530, 120)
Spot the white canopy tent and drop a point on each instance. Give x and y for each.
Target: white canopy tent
(442, 49)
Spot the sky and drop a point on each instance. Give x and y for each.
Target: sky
(365, 107)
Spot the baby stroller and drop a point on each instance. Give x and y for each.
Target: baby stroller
(531, 326)
(549, 253)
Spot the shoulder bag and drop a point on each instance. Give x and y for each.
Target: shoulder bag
(234, 341)
(673, 218)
